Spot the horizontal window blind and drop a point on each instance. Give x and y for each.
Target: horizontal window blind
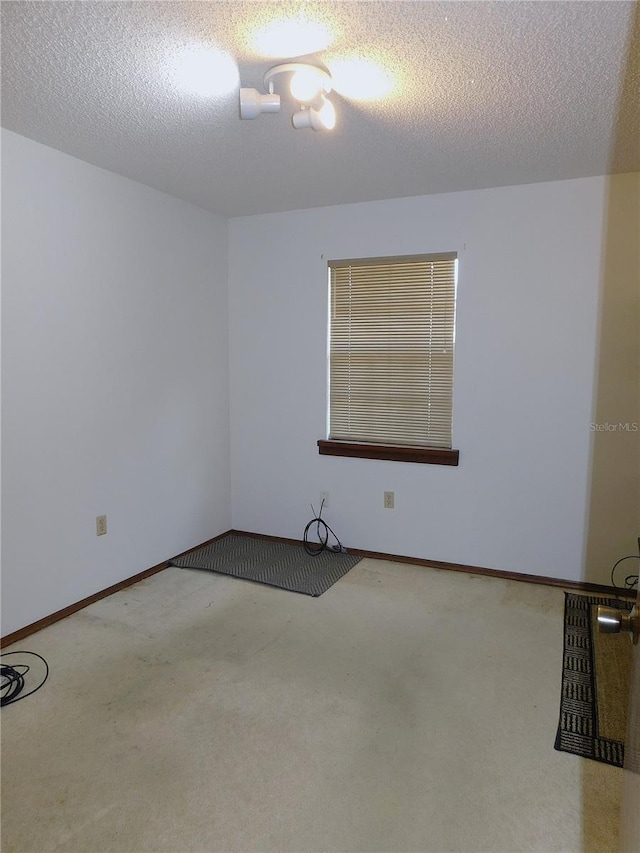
(391, 342)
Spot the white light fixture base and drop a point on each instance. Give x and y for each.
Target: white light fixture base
(321, 75)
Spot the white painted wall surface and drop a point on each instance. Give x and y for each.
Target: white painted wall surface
(529, 277)
(115, 379)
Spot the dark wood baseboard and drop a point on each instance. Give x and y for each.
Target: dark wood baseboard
(266, 536)
(497, 573)
(579, 586)
(21, 633)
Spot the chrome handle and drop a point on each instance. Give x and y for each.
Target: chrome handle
(612, 621)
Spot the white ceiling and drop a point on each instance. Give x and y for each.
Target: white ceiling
(485, 94)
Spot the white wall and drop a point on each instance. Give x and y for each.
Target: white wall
(529, 278)
(115, 379)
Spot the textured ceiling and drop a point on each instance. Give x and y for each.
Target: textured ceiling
(484, 94)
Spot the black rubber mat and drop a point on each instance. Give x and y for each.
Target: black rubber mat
(278, 564)
(579, 725)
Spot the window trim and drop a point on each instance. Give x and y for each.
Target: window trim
(391, 452)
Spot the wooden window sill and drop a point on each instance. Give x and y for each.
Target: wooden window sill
(395, 453)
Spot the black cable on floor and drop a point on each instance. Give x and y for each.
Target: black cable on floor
(630, 582)
(322, 531)
(12, 679)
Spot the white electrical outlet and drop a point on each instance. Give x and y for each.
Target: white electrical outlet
(324, 496)
(101, 525)
(389, 500)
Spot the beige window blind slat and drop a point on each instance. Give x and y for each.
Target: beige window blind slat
(391, 350)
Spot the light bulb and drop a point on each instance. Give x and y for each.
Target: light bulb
(322, 119)
(305, 85)
(327, 115)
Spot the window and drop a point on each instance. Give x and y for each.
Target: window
(391, 343)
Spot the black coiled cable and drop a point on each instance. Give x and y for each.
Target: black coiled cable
(322, 531)
(13, 681)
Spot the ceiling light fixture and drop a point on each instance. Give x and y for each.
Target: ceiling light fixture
(309, 85)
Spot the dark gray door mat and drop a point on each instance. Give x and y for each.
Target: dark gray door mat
(596, 679)
(278, 564)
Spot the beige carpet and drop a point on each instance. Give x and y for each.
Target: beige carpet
(407, 709)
